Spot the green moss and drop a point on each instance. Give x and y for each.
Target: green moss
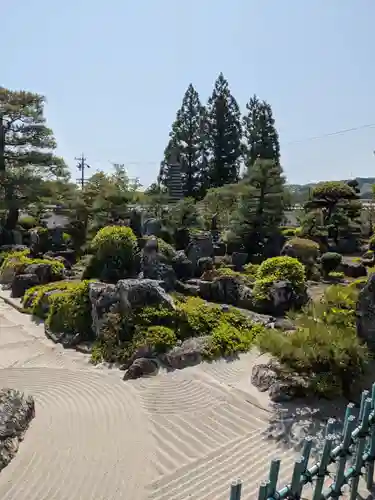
(36, 299)
(20, 260)
(227, 271)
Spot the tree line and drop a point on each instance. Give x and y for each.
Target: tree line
(214, 141)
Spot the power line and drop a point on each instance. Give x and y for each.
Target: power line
(297, 141)
(338, 132)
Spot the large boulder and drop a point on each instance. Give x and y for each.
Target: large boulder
(353, 269)
(282, 297)
(16, 413)
(366, 313)
(154, 265)
(182, 266)
(23, 282)
(135, 293)
(42, 271)
(188, 353)
(102, 297)
(152, 227)
(141, 367)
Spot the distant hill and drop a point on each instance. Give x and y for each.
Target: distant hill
(301, 191)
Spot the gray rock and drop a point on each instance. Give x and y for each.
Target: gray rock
(189, 353)
(263, 376)
(42, 271)
(282, 297)
(23, 282)
(16, 412)
(353, 269)
(152, 227)
(142, 367)
(182, 266)
(102, 297)
(280, 392)
(204, 264)
(239, 259)
(142, 292)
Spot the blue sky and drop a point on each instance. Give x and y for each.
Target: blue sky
(114, 73)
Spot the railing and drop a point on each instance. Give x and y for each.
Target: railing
(357, 443)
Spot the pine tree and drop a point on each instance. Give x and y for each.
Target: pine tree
(261, 140)
(186, 138)
(261, 206)
(224, 135)
(29, 152)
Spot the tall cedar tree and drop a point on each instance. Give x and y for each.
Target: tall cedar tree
(261, 206)
(223, 135)
(187, 138)
(261, 140)
(29, 151)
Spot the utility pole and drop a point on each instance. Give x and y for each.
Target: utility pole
(2, 144)
(82, 165)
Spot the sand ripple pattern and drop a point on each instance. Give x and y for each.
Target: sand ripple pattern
(179, 435)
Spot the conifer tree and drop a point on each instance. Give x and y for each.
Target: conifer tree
(261, 139)
(223, 135)
(186, 138)
(261, 206)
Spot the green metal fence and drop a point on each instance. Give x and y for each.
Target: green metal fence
(357, 444)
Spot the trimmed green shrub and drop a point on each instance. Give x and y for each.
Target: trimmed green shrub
(251, 270)
(27, 222)
(283, 268)
(114, 249)
(70, 311)
(305, 250)
(330, 261)
(36, 299)
(20, 260)
(336, 275)
(227, 340)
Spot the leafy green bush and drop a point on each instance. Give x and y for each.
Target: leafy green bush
(251, 270)
(70, 311)
(114, 249)
(36, 299)
(227, 340)
(20, 260)
(330, 261)
(359, 283)
(161, 338)
(319, 351)
(27, 222)
(166, 249)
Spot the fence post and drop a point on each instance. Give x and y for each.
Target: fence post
(297, 484)
(340, 473)
(324, 462)
(263, 488)
(273, 477)
(362, 437)
(235, 490)
(370, 465)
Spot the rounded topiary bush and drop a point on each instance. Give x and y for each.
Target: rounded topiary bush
(27, 222)
(115, 249)
(330, 261)
(303, 249)
(282, 268)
